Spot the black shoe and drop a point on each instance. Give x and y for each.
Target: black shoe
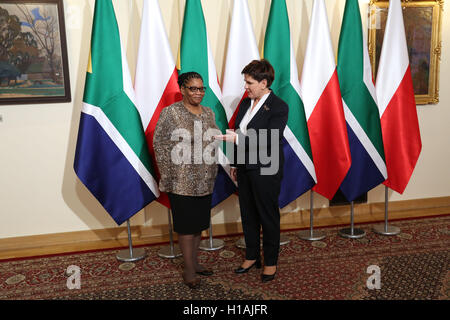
(206, 272)
(192, 284)
(257, 263)
(268, 277)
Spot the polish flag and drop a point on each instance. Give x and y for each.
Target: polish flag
(396, 104)
(242, 49)
(156, 78)
(323, 106)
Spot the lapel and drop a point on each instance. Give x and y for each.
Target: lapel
(265, 108)
(242, 110)
(244, 107)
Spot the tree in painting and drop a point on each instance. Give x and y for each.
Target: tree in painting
(45, 30)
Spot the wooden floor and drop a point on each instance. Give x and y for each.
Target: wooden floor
(58, 243)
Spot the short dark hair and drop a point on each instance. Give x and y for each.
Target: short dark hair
(260, 70)
(184, 78)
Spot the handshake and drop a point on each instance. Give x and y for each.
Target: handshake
(230, 136)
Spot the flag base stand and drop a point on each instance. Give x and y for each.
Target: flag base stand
(283, 241)
(311, 235)
(211, 244)
(386, 230)
(170, 251)
(351, 232)
(131, 255)
(240, 243)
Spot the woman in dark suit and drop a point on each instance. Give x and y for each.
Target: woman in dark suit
(259, 161)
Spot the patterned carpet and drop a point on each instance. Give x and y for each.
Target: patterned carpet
(413, 265)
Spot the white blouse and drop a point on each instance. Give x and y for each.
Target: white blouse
(251, 113)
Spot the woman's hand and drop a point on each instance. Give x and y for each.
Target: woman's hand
(230, 136)
(233, 174)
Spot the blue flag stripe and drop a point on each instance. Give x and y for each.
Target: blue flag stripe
(107, 173)
(223, 187)
(296, 178)
(363, 175)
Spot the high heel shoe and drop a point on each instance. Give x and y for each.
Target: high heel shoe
(268, 277)
(257, 263)
(193, 284)
(205, 272)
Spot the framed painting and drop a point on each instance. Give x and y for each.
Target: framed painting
(33, 52)
(422, 21)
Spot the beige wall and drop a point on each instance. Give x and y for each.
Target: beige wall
(39, 192)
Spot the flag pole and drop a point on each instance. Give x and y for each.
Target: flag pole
(386, 230)
(351, 232)
(311, 235)
(170, 251)
(211, 244)
(283, 241)
(130, 255)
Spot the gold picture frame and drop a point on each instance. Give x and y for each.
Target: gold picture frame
(422, 19)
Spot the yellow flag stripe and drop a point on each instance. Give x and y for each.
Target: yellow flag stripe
(89, 66)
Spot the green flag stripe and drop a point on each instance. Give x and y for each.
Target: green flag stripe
(123, 114)
(194, 56)
(104, 86)
(277, 43)
(297, 119)
(368, 118)
(210, 100)
(277, 50)
(194, 47)
(106, 57)
(350, 70)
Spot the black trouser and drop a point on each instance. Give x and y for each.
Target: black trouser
(258, 199)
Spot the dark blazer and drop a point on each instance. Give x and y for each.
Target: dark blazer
(273, 115)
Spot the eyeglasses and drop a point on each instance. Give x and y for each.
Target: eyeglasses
(196, 89)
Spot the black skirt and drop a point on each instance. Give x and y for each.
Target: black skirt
(190, 214)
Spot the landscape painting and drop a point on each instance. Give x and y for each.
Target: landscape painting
(33, 53)
(422, 21)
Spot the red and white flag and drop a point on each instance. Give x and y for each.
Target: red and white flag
(242, 49)
(395, 95)
(323, 106)
(156, 78)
